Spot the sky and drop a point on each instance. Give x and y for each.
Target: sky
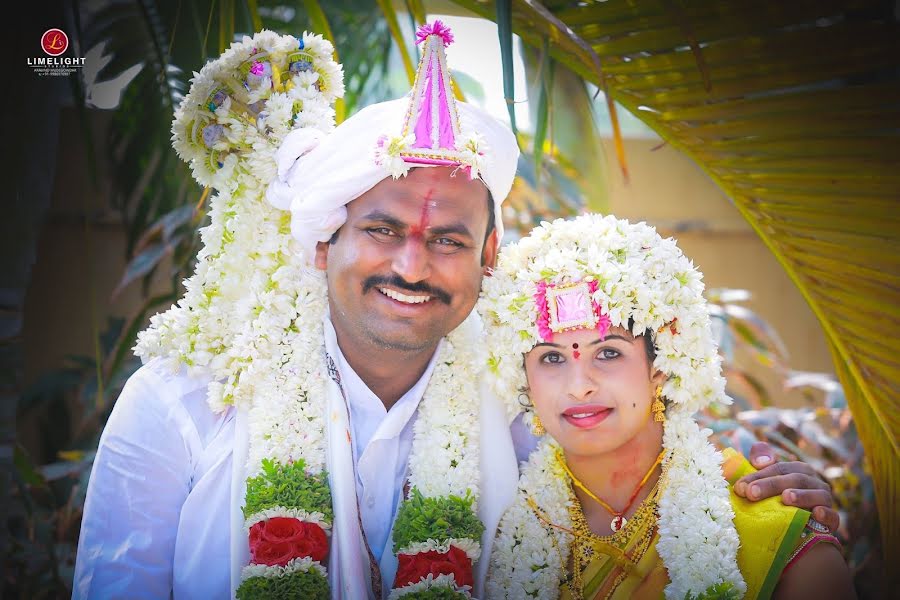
(476, 52)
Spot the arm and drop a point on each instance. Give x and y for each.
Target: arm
(819, 574)
(796, 482)
(140, 479)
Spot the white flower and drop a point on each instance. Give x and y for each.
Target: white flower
(316, 518)
(428, 582)
(388, 152)
(471, 547)
(296, 565)
(473, 152)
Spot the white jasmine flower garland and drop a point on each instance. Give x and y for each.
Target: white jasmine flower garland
(252, 319)
(444, 459)
(316, 518)
(251, 304)
(529, 555)
(469, 546)
(296, 565)
(645, 278)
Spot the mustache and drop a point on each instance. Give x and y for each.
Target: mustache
(395, 282)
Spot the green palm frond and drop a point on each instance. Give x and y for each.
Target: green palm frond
(793, 108)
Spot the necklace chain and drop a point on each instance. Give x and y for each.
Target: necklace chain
(618, 520)
(586, 544)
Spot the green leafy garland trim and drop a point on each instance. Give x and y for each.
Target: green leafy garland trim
(299, 584)
(439, 519)
(289, 486)
(437, 593)
(720, 591)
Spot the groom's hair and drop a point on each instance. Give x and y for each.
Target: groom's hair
(491, 224)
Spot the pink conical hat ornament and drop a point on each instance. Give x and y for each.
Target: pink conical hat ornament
(432, 116)
(431, 133)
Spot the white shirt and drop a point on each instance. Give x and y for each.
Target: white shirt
(382, 440)
(156, 517)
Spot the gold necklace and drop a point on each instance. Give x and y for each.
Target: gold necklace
(618, 520)
(586, 544)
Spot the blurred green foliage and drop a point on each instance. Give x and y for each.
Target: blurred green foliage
(820, 433)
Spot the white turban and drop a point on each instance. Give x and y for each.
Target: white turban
(319, 174)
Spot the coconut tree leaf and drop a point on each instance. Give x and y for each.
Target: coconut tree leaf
(504, 32)
(466, 85)
(400, 40)
(545, 76)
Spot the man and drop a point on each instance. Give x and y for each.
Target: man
(360, 408)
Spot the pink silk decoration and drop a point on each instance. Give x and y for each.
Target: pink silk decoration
(568, 308)
(446, 139)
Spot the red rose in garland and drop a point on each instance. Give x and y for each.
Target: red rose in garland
(314, 542)
(272, 554)
(277, 540)
(413, 567)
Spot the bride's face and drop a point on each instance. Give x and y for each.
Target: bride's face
(593, 396)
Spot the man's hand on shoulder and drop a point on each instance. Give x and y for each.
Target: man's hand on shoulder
(797, 483)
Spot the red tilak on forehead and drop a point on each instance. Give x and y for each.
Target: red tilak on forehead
(424, 217)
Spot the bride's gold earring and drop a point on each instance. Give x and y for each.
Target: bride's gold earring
(658, 408)
(536, 426)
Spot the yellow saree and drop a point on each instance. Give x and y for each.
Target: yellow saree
(626, 565)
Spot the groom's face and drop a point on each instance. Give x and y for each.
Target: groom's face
(406, 267)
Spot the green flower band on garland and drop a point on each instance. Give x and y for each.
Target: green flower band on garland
(421, 518)
(299, 584)
(437, 593)
(720, 591)
(288, 486)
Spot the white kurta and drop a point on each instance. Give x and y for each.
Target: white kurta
(382, 440)
(157, 519)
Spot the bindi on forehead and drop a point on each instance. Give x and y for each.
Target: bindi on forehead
(576, 354)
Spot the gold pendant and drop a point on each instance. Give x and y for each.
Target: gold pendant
(617, 523)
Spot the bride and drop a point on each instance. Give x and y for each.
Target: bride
(624, 497)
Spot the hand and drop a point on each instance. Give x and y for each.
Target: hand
(796, 482)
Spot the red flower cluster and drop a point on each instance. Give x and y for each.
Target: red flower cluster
(413, 568)
(278, 540)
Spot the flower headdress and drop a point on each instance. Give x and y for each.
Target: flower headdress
(251, 97)
(595, 271)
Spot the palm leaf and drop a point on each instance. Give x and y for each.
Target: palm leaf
(504, 32)
(545, 84)
(390, 15)
(793, 109)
